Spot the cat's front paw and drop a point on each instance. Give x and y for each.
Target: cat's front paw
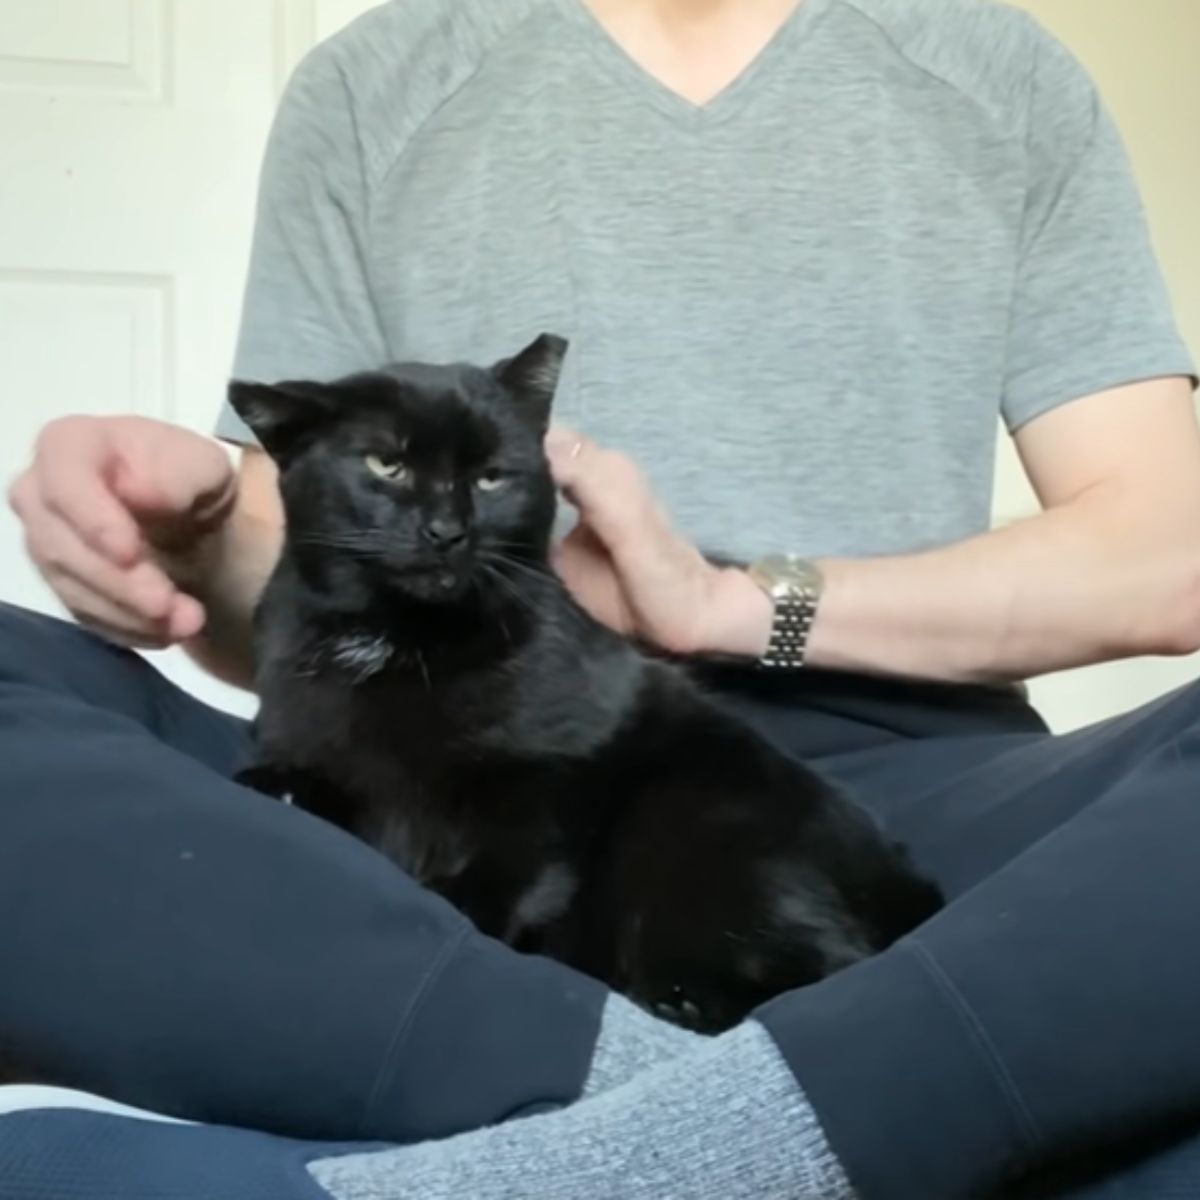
(276, 782)
(701, 1010)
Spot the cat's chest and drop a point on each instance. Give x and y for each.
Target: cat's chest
(382, 745)
(401, 773)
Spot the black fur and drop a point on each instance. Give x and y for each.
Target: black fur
(428, 684)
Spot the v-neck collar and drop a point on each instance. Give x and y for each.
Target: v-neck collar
(615, 58)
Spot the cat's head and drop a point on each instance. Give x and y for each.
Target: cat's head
(418, 477)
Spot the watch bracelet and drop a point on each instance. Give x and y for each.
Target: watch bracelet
(787, 649)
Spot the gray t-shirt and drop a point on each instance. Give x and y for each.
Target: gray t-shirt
(801, 307)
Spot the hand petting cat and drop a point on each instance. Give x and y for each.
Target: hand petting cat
(626, 564)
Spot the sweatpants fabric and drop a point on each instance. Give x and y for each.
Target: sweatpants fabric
(54, 1154)
(63, 1154)
(190, 947)
(1050, 1016)
(195, 949)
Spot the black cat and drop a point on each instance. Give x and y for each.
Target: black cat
(428, 684)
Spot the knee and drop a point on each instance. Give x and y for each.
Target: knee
(27, 640)
(1186, 701)
(48, 652)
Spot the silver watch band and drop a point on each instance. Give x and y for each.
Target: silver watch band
(794, 586)
(788, 647)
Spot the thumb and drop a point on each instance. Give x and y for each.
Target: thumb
(607, 490)
(176, 492)
(578, 555)
(168, 487)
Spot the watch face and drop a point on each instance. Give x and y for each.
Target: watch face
(789, 571)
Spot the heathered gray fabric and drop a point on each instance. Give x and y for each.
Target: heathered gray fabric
(632, 1041)
(801, 308)
(725, 1122)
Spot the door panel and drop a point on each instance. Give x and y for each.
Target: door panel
(131, 133)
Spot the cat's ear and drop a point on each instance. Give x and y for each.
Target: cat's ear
(282, 415)
(532, 376)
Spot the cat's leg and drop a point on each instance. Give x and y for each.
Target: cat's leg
(268, 780)
(738, 876)
(519, 902)
(300, 788)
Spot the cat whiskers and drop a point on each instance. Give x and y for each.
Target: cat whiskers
(508, 586)
(424, 671)
(507, 562)
(501, 562)
(365, 543)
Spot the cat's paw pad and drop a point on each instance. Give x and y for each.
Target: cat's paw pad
(268, 781)
(679, 1009)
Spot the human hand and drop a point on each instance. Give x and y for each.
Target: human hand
(115, 511)
(632, 571)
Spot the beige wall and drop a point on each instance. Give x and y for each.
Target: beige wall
(1143, 55)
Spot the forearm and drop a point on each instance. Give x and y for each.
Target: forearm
(228, 576)
(1097, 579)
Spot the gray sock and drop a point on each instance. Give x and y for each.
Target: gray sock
(726, 1121)
(632, 1041)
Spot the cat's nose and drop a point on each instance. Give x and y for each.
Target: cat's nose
(444, 533)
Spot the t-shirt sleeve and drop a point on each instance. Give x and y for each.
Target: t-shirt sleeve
(1090, 307)
(307, 311)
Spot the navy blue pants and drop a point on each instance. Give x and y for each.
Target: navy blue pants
(188, 946)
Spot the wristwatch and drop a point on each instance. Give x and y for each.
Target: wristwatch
(794, 586)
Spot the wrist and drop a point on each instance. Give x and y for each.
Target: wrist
(742, 615)
(194, 566)
(227, 571)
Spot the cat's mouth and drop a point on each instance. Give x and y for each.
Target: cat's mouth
(435, 582)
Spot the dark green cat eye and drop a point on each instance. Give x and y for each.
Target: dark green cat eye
(490, 481)
(386, 468)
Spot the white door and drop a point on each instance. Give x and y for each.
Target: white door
(130, 138)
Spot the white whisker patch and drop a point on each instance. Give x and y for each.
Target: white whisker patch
(546, 899)
(361, 654)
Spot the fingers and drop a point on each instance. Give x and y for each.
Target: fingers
(60, 551)
(73, 460)
(125, 613)
(93, 505)
(617, 504)
(203, 492)
(174, 507)
(610, 492)
(109, 620)
(136, 603)
(563, 443)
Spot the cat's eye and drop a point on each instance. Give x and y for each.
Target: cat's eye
(386, 468)
(490, 481)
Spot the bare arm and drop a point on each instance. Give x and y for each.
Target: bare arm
(1110, 568)
(230, 571)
